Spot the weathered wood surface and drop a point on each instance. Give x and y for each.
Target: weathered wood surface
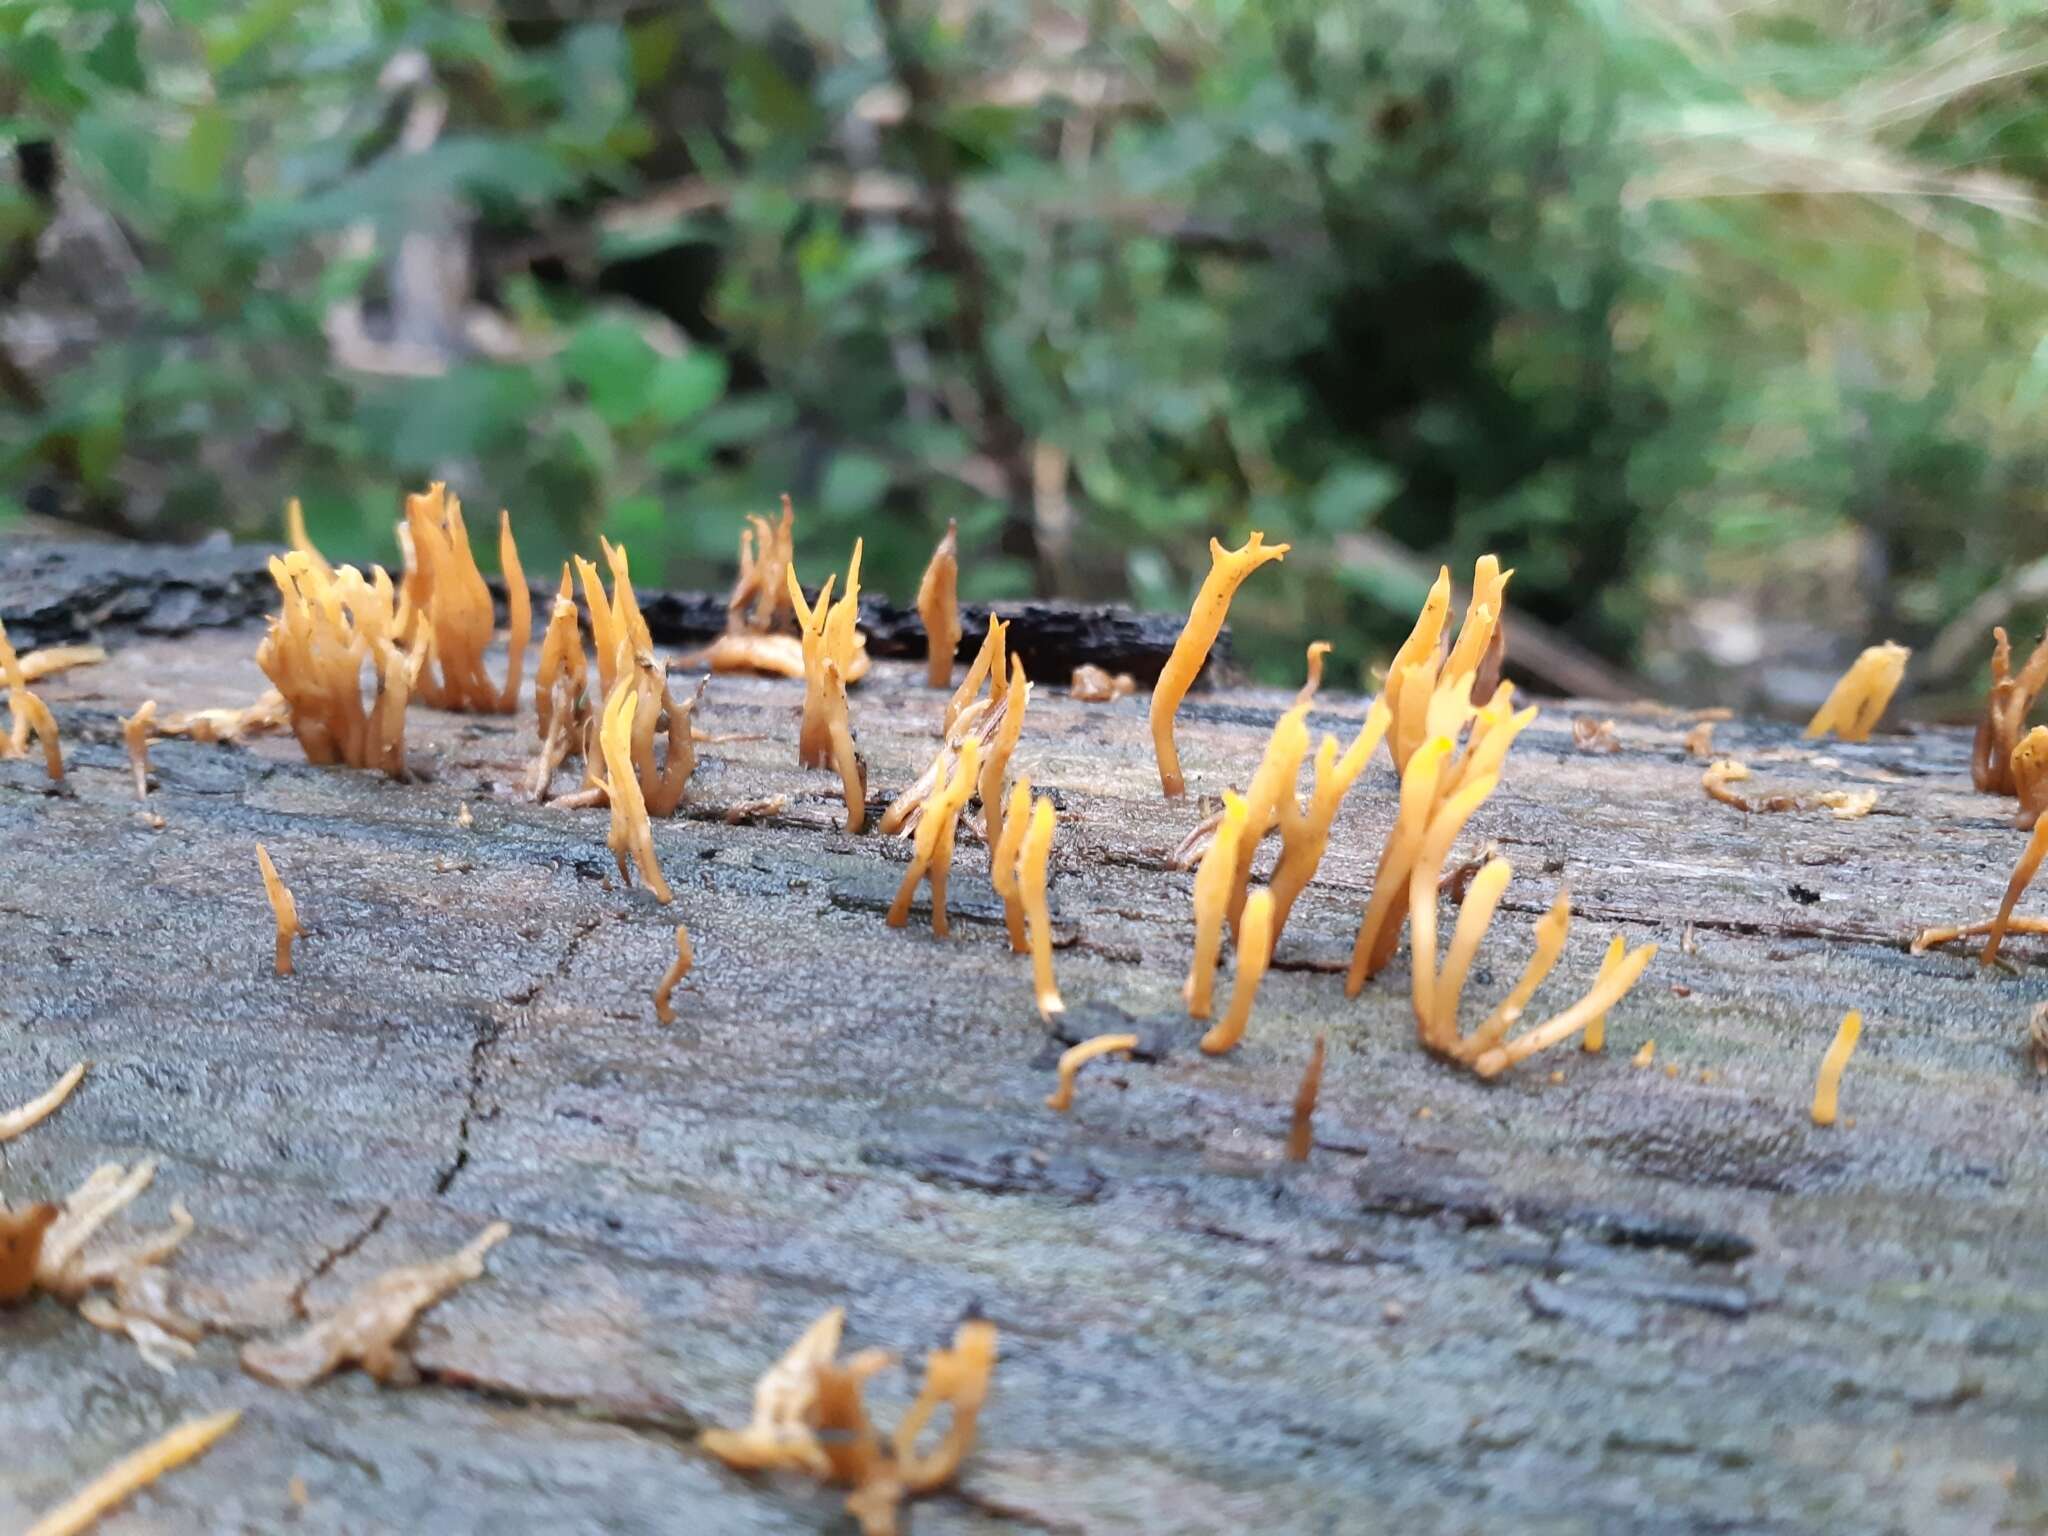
(1630, 1301)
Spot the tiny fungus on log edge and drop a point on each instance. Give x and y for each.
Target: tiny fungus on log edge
(282, 907)
(1032, 857)
(134, 1472)
(1857, 702)
(1301, 1129)
(1827, 1088)
(1075, 1057)
(938, 608)
(677, 970)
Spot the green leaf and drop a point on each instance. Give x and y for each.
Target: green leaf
(114, 57)
(616, 367)
(196, 168)
(683, 388)
(854, 484)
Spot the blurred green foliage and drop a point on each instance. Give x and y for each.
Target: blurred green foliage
(1618, 290)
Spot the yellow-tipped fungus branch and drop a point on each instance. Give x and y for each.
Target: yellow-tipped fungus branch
(1828, 1086)
(282, 907)
(938, 607)
(134, 1472)
(1301, 1130)
(1002, 861)
(932, 852)
(135, 732)
(26, 1117)
(1033, 855)
(1856, 703)
(1254, 949)
(1227, 571)
(1075, 1057)
(678, 969)
(1213, 882)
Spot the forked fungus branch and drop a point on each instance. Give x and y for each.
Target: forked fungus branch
(1227, 571)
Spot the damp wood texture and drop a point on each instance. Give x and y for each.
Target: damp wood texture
(1583, 1296)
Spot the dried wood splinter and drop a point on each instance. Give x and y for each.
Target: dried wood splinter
(1856, 703)
(367, 1328)
(1301, 1131)
(1828, 1087)
(1075, 1057)
(282, 907)
(678, 969)
(932, 852)
(134, 1472)
(27, 1116)
(1842, 804)
(938, 608)
(1227, 571)
(52, 659)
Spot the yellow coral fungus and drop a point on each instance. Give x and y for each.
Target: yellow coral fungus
(809, 1416)
(1271, 795)
(1002, 861)
(982, 721)
(1301, 1129)
(1488, 1050)
(760, 596)
(1842, 804)
(1379, 930)
(28, 714)
(988, 666)
(828, 633)
(282, 907)
(2029, 764)
(1254, 949)
(630, 833)
(268, 713)
(1214, 880)
(932, 852)
(995, 767)
(1305, 832)
(27, 1116)
(1075, 1057)
(52, 659)
(678, 969)
(1595, 1038)
(1033, 855)
(1854, 706)
(134, 1472)
(1828, 1086)
(2006, 707)
(135, 732)
(21, 1248)
(366, 1329)
(938, 608)
(853, 768)
(1227, 571)
(452, 605)
(1428, 694)
(2022, 876)
(329, 626)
